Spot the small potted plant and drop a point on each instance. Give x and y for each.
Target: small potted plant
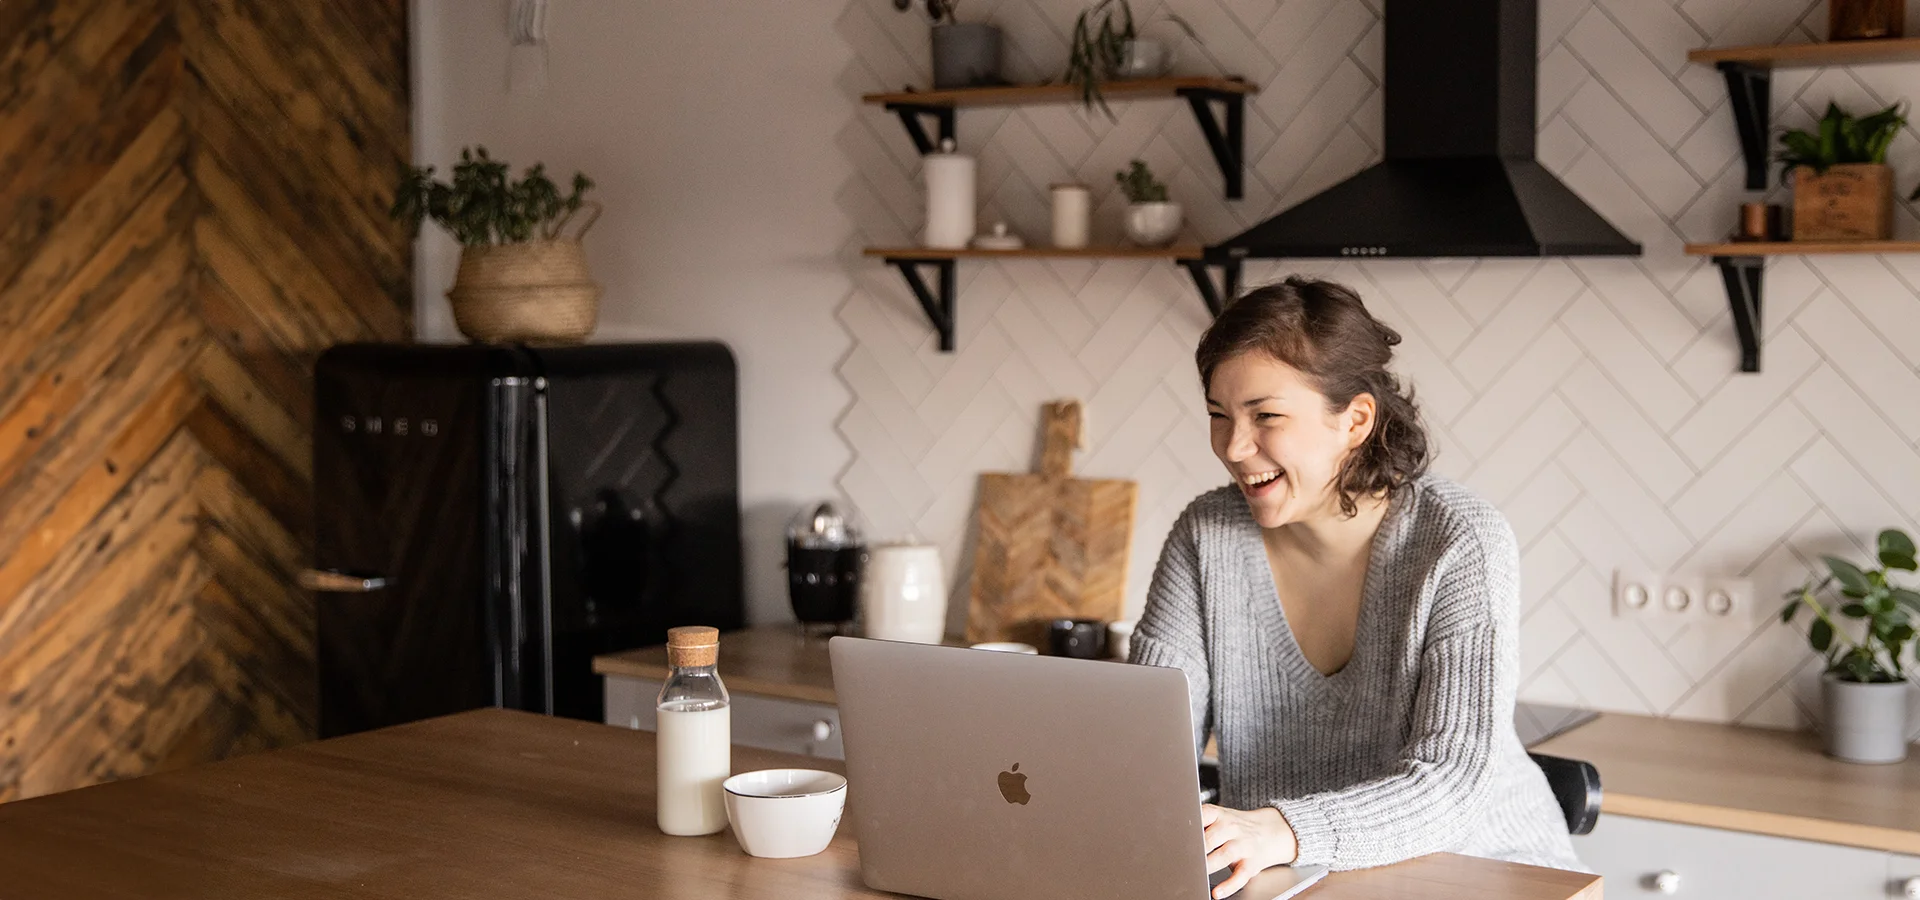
(1152, 221)
(1107, 46)
(522, 277)
(965, 54)
(1865, 683)
(1842, 186)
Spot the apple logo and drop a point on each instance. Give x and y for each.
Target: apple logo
(1013, 786)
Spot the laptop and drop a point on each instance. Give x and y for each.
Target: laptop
(976, 775)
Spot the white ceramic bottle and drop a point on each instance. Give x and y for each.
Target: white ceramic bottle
(695, 736)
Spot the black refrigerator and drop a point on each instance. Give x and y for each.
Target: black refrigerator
(487, 519)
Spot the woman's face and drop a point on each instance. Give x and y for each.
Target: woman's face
(1272, 430)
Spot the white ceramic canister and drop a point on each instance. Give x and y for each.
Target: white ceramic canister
(949, 178)
(1072, 215)
(903, 593)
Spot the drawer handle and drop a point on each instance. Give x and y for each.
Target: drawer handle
(1667, 882)
(332, 581)
(822, 730)
(1910, 888)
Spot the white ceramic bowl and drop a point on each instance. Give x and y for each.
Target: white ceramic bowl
(1007, 647)
(1153, 224)
(784, 813)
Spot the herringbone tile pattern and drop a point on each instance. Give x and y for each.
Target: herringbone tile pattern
(1596, 401)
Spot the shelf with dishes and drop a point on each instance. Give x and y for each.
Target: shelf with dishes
(1219, 106)
(1742, 263)
(938, 297)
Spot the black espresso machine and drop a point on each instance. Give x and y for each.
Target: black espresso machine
(488, 519)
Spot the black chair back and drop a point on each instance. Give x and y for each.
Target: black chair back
(1576, 784)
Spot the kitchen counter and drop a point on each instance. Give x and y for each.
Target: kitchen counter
(489, 804)
(1746, 779)
(778, 661)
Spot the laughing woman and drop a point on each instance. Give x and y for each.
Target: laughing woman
(1348, 624)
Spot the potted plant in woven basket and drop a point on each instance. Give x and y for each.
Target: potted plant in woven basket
(523, 277)
(1861, 637)
(1842, 185)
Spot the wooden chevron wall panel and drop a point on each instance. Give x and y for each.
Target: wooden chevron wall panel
(193, 208)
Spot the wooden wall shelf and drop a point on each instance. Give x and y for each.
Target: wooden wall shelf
(937, 300)
(1032, 94)
(1827, 53)
(1800, 248)
(1742, 263)
(1225, 132)
(1749, 74)
(1177, 251)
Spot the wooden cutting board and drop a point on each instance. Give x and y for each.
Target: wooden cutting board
(1050, 545)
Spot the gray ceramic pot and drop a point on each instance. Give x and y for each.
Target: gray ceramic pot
(1866, 723)
(966, 55)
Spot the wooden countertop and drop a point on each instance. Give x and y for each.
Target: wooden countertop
(488, 804)
(771, 661)
(1746, 779)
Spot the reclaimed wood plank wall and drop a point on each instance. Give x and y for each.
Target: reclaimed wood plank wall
(193, 205)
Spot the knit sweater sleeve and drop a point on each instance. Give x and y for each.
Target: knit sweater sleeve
(1469, 672)
(1171, 630)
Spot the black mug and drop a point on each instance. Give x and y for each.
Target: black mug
(1077, 638)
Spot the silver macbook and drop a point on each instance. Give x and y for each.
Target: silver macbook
(976, 775)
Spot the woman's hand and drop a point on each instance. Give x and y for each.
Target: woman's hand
(1247, 840)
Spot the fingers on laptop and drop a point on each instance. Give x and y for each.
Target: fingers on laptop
(1243, 872)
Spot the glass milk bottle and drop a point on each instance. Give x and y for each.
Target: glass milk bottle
(695, 735)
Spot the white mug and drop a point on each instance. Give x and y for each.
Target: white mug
(903, 594)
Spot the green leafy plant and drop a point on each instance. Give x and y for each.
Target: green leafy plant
(1839, 139)
(483, 205)
(1139, 184)
(1883, 612)
(1099, 46)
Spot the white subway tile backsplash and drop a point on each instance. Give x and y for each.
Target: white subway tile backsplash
(1594, 400)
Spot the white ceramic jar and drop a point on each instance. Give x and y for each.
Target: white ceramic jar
(1072, 215)
(903, 593)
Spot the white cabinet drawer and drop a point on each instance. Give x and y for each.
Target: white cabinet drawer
(1903, 876)
(792, 726)
(1711, 864)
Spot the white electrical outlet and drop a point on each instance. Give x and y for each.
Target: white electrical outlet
(1703, 598)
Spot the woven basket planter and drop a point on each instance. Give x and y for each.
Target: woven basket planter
(534, 292)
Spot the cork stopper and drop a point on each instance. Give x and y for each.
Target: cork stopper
(693, 645)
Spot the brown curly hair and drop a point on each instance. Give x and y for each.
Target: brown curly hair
(1323, 330)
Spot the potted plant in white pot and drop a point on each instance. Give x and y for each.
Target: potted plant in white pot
(1107, 46)
(1152, 220)
(522, 277)
(1862, 637)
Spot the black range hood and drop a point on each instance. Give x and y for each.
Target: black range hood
(1459, 177)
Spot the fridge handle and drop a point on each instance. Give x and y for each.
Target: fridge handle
(335, 581)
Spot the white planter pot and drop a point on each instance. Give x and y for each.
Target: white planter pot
(1153, 224)
(1865, 723)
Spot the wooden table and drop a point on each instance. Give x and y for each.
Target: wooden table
(487, 804)
(1747, 779)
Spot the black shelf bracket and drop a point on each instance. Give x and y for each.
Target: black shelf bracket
(937, 303)
(1216, 296)
(1229, 141)
(1750, 89)
(910, 115)
(1742, 277)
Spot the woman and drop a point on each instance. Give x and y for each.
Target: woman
(1348, 624)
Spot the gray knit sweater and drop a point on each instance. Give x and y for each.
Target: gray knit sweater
(1410, 749)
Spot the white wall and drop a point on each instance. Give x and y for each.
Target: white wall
(709, 127)
(1596, 401)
